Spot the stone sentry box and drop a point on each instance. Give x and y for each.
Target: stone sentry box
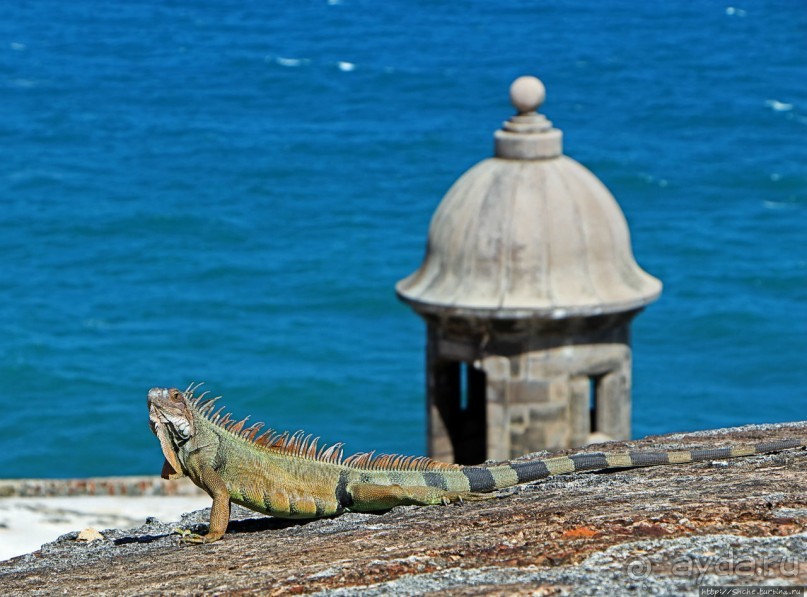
(528, 289)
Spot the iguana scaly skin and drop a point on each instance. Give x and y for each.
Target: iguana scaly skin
(287, 476)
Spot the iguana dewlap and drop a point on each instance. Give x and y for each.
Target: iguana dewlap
(288, 476)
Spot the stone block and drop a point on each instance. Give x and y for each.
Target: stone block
(614, 405)
(496, 392)
(496, 367)
(579, 410)
(549, 412)
(529, 392)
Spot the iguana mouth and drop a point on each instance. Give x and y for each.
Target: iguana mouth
(179, 426)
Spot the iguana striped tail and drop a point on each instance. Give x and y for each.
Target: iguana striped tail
(492, 477)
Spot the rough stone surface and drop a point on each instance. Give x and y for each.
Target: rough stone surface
(661, 530)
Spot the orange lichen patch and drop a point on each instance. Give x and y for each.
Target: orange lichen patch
(580, 533)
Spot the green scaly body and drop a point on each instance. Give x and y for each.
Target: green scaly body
(288, 476)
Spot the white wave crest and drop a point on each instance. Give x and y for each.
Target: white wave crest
(290, 62)
(778, 106)
(733, 11)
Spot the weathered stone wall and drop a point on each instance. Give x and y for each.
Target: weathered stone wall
(530, 385)
(541, 400)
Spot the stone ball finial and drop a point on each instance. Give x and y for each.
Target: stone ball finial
(527, 93)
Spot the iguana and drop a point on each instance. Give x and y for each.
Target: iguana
(289, 476)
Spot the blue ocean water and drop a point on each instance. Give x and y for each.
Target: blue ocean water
(227, 192)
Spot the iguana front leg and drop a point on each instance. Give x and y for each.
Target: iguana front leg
(215, 487)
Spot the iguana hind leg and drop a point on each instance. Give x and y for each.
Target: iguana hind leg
(368, 497)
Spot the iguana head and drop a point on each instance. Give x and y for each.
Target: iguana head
(171, 420)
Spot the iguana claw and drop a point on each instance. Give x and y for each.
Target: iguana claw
(186, 536)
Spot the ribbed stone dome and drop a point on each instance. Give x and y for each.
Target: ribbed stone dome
(528, 233)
